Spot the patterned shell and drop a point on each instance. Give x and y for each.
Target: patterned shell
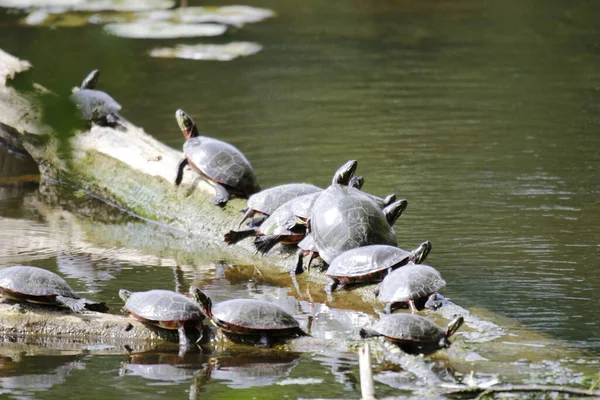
(221, 162)
(344, 218)
(163, 305)
(35, 282)
(269, 200)
(94, 104)
(302, 206)
(280, 222)
(409, 327)
(368, 259)
(253, 314)
(410, 282)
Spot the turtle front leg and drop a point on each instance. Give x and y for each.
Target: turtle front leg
(332, 284)
(413, 308)
(265, 341)
(184, 341)
(182, 164)
(297, 268)
(221, 195)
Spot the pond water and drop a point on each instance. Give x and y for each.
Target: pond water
(484, 115)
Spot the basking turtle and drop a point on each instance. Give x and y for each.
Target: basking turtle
(220, 163)
(283, 218)
(37, 285)
(412, 284)
(249, 320)
(413, 333)
(371, 263)
(265, 202)
(94, 105)
(165, 309)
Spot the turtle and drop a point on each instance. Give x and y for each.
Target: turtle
(282, 218)
(94, 105)
(412, 284)
(371, 263)
(249, 320)
(24, 283)
(220, 163)
(165, 309)
(265, 202)
(413, 333)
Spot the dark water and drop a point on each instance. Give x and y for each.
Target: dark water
(484, 115)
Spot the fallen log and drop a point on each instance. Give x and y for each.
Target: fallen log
(133, 172)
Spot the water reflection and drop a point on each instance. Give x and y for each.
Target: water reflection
(164, 367)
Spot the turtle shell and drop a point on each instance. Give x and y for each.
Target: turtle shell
(221, 162)
(409, 328)
(344, 218)
(411, 282)
(302, 206)
(94, 104)
(163, 308)
(34, 284)
(253, 317)
(367, 263)
(269, 200)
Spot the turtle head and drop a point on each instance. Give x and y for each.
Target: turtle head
(345, 173)
(124, 294)
(91, 80)
(202, 299)
(186, 124)
(389, 199)
(453, 326)
(395, 210)
(357, 182)
(421, 252)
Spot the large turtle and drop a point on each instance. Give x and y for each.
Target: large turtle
(265, 202)
(37, 285)
(412, 284)
(94, 105)
(413, 333)
(220, 163)
(165, 309)
(249, 320)
(371, 263)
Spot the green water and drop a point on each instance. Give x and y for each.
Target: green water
(484, 115)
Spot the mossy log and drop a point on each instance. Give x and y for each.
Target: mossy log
(134, 172)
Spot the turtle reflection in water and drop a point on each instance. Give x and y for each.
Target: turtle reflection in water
(249, 320)
(412, 333)
(36, 285)
(221, 164)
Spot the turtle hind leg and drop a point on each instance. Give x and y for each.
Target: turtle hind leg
(265, 341)
(232, 237)
(221, 195)
(182, 163)
(76, 305)
(265, 243)
(115, 121)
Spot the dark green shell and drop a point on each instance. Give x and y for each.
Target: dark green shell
(250, 316)
(409, 328)
(366, 260)
(33, 281)
(163, 305)
(221, 162)
(268, 200)
(410, 282)
(94, 104)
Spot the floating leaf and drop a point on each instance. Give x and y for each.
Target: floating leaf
(218, 52)
(164, 30)
(67, 20)
(91, 5)
(230, 15)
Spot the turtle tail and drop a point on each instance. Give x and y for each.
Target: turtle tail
(78, 305)
(233, 237)
(265, 243)
(367, 333)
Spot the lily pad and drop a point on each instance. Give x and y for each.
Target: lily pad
(164, 30)
(91, 5)
(218, 52)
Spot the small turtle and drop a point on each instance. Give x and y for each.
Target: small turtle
(371, 263)
(413, 333)
(165, 309)
(412, 284)
(249, 320)
(36, 285)
(265, 202)
(94, 105)
(220, 163)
